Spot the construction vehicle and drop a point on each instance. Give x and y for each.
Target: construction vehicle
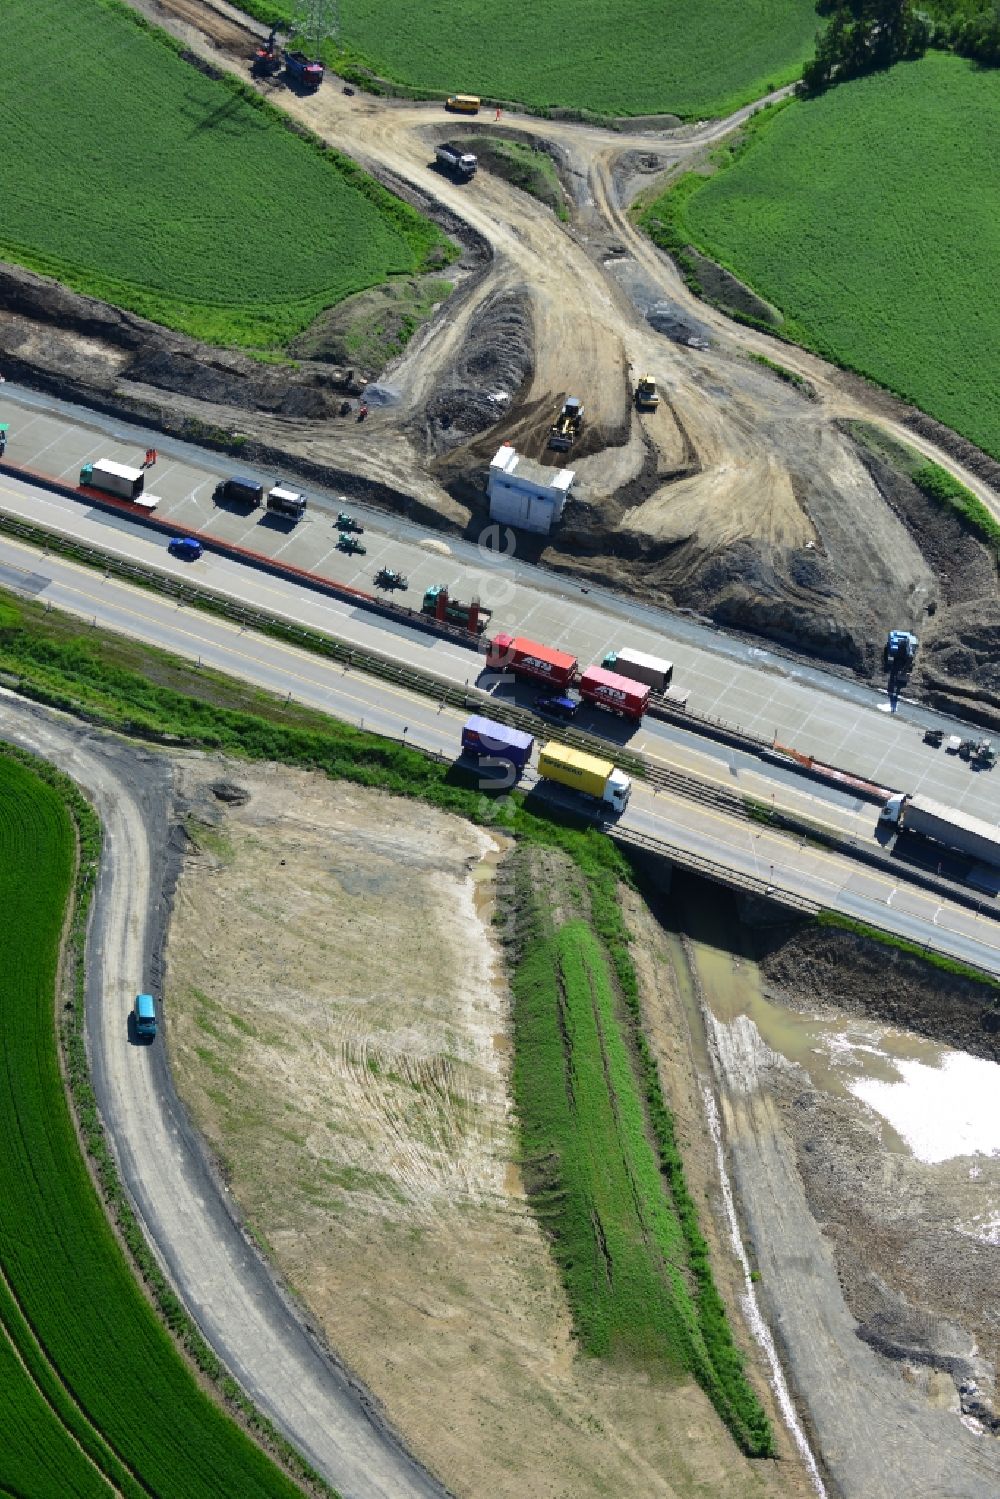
(954, 830)
(463, 104)
(567, 427)
(647, 397)
(900, 651)
(389, 578)
(304, 70)
(652, 670)
(347, 522)
(267, 58)
(587, 774)
(287, 502)
(438, 604)
(350, 545)
(461, 164)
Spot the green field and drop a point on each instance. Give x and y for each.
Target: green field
(90, 1382)
(623, 1227)
(127, 174)
(868, 216)
(606, 56)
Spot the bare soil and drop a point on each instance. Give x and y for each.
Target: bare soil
(339, 1029)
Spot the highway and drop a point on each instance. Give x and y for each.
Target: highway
(837, 719)
(749, 849)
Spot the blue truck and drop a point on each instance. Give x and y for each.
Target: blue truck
(306, 71)
(482, 739)
(145, 1016)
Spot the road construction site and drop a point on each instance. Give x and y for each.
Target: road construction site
(337, 1015)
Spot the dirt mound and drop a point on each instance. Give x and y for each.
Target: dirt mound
(50, 330)
(816, 967)
(486, 376)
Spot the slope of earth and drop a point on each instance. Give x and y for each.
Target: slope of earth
(177, 198)
(341, 1031)
(875, 1255)
(866, 217)
(647, 57)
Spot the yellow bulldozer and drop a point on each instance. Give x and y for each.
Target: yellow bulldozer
(647, 397)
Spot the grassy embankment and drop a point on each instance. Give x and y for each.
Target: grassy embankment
(864, 217)
(600, 1158)
(182, 198)
(615, 58)
(90, 1381)
(127, 686)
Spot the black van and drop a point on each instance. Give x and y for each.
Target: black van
(239, 492)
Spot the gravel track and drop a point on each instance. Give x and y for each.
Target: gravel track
(224, 1283)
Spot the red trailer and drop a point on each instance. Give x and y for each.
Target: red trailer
(609, 690)
(526, 658)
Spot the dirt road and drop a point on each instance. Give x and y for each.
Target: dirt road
(211, 1263)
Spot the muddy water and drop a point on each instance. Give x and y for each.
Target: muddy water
(835, 1050)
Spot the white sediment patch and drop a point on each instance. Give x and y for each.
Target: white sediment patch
(751, 1307)
(941, 1112)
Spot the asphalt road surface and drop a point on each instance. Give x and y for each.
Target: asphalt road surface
(840, 721)
(750, 849)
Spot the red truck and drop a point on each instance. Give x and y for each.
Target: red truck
(621, 695)
(526, 658)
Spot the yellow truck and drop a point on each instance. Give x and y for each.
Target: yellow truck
(585, 773)
(463, 104)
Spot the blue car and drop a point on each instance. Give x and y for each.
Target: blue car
(563, 705)
(186, 547)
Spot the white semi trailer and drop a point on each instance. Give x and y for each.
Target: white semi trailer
(954, 830)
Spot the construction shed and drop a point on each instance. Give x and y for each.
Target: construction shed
(524, 494)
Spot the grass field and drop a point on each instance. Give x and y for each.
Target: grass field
(129, 175)
(868, 216)
(623, 1227)
(87, 1373)
(605, 56)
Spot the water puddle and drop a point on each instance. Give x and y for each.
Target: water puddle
(835, 1051)
(941, 1112)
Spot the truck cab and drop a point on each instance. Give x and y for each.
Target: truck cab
(145, 1016)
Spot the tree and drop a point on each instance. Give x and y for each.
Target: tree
(315, 21)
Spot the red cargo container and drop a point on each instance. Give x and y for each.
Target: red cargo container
(609, 690)
(526, 658)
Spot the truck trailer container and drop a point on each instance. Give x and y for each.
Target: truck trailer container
(461, 164)
(113, 478)
(652, 670)
(287, 502)
(587, 774)
(239, 491)
(954, 830)
(307, 71)
(484, 739)
(618, 694)
(528, 659)
(463, 104)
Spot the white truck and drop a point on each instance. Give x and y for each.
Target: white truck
(118, 479)
(652, 670)
(281, 500)
(461, 164)
(587, 774)
(956, 831)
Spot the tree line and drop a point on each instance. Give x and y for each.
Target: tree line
(865, 36)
